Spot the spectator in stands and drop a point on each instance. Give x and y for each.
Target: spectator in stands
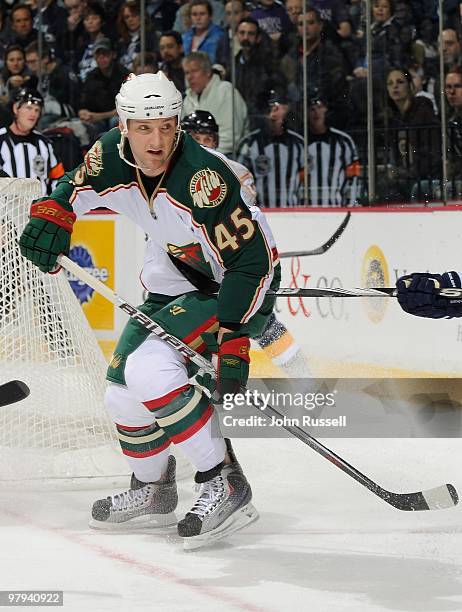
(385, 40)
(93, 20)
(411, 147)
(425, 49)
(52, 21)
(73, 34)
(5, 33)
(272, 18)
(162, 14)
(150, 64)
(453, 92)
(97, 102)
(255, 65)
(334, 167)
(274, 155)
(128, 27)
(25, 152)
(57, 84)
(234, 12)
(451, 49)
(203, 35)
(14, 73)
(23, 32)
(335, 15)
(325, 65)
(171, 53)
(183, 18)
(208, 92)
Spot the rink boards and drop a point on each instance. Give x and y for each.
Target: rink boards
(344, 337)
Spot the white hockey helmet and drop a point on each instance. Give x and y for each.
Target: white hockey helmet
(148, 96)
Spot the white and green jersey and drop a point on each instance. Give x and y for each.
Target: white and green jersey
(201, 214)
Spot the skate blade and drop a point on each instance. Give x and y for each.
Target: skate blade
(238, 520)
(155, 521)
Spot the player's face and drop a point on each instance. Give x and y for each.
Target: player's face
(200, 17)
(169, 49)
(209, 139)
(453, 89)
(151, 142)
(27, 116)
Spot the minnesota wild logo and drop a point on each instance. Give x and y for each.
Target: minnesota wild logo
(192, 255)
(207, 188)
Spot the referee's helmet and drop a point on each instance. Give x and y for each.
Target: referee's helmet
(26, 95)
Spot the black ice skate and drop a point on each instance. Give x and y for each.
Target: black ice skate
(223, 506)
(149, 504)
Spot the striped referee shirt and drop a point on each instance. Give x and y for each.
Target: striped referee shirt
(30, 156)
(334, 169)
(277, 165)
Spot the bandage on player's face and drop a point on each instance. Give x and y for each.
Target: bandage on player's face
(151, 142)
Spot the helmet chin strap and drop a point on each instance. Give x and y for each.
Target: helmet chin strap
(121, 147)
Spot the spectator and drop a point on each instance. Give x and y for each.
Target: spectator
(57, 84)
(22, 25)
(272, 18)
(183, 18)
(25, 152)
(5, 34)
(204, 35)
(52, 21)
(171, 53)
(425, 49)
(14, 73)
(234, 12)
(72, 37)
(254, 64)
(208, 92)
(128, 27)
(274, 155)
(150, 64)
(451, 49)
(325, 66)
(162, 14)
(97, 102)
(453, 91)
(335, 15)
(333, 161)
(93, 21)
(411, 149)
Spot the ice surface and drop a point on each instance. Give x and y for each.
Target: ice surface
(323, 542)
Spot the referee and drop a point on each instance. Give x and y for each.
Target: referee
(333, 163)
(274, 154)
(24, 151)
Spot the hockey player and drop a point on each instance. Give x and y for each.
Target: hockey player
(276, 341)
(189, 201)
(417, 294)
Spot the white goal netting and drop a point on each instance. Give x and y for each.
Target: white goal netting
(61, 430)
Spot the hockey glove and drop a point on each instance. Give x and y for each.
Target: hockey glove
(47, 234)
(417, 295)
(232, 362)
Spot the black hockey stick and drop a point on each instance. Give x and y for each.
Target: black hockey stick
(324, 247)
(13, 391)
(444, 496)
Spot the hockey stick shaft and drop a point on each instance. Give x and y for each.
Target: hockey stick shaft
(403, 501)
(324, 247)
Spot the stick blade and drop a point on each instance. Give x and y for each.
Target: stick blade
(13, 391)
(438, 498)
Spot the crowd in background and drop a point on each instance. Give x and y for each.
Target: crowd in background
(286, 83)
